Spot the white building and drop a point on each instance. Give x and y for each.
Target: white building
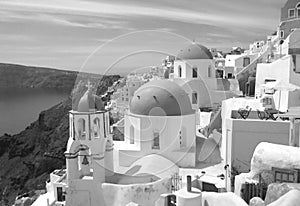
(160, 121)
(168, 66)
(286, 70)
(89, 153)
(241, 136)
(256, 47)
(235, 63)
(195, 72)
(124, 94)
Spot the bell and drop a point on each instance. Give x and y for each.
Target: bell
(85, 160)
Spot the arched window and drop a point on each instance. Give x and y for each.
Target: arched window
(281, 34)
(298, 9)
(195, 72)
(71, 128)
(96, 127)
(81, 129)
(155, 144)
(194, 98)
(131, 135)
(179, 71)
(209, 71)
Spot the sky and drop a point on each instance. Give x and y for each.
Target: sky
(104, 36)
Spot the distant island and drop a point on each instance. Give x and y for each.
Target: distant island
(31, 155)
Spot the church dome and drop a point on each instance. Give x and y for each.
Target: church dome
(161, 98)
(90, 102)
(194, 51)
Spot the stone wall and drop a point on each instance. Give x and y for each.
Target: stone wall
(276, 190)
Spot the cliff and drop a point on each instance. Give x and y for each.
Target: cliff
(19, 76)
(24, 165)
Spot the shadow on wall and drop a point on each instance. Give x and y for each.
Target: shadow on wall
(142, 194)
(127, 179)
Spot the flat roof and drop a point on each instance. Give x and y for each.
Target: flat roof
(293, 112)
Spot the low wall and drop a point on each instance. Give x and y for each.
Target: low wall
(142, 194)
(181, 158)
(244, 135)
(222, 199)
(265, 157)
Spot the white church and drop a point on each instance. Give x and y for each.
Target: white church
(160, 135)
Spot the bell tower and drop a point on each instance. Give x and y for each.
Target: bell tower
(89, 155)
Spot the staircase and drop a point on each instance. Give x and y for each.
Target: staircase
(246, 71)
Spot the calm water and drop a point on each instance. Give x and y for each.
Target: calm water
(20, 107)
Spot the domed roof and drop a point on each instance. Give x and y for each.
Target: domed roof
(194, 51)
(161, 98)
(90, 102)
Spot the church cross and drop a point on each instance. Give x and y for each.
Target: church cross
(89, 85)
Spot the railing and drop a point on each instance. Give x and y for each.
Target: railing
(176, 182)
(250, 190)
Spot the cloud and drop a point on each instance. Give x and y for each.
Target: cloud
(121, 10)
(16, 38)
(65, 30)
(61, 20)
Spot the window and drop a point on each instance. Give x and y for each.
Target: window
(269, 90)
(246, 61)
(281, 34)
(292, 13)
(97, 127)
(179, 71)
(219, 73)
(194, 98)
(60, 194)
(293, 29)
(195, 72)
(155, 144)
(285, 175)
(131, 134)
(270, 80)
(81, 129)
(209, 71)
(298, 10)
(296, 61)
(104, 125)
(108, 123)
(71, 127)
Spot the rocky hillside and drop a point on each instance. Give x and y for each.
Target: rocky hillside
(24, 165)
(19, 76)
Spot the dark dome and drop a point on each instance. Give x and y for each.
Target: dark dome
(161, 98)
(194, 51)
(90, 102)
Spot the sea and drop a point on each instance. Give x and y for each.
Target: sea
(20, 107)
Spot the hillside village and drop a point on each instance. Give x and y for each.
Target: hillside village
(205, 129)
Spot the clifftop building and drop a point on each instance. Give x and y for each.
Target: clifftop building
(195, 72)
(290, 18)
